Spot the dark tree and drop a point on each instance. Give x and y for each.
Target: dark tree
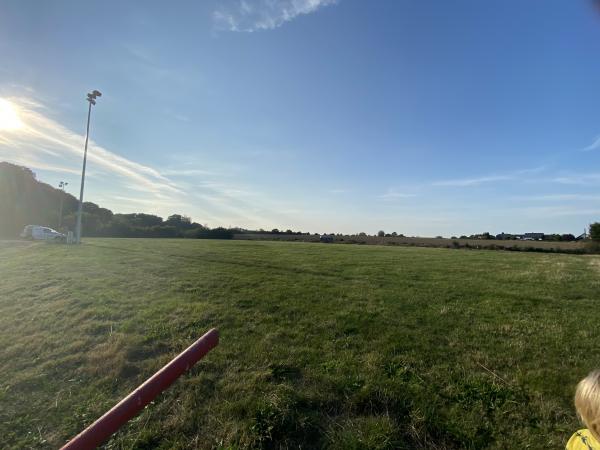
(142, 220)
(26, 201)
(177, 220)
(595, 231)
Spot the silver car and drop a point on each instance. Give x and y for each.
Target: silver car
(40, 233)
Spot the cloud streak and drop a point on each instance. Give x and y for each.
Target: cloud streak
(559, 197)
(588, 179)
(256, 15)
(466, 182)
(593, 146)
(43, 143)
(478, 181)
(555, 212)
(393, 194)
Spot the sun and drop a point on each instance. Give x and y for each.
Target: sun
(9, 117)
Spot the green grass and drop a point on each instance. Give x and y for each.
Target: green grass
(344, 347)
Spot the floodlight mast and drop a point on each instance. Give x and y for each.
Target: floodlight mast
(91, 98)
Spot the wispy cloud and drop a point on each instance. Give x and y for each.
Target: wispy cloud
(478, 181)
(554, 211)
(582, 179)
(63, 148)
(255, 15)
(466, 182)
(393, 194)
(187, 172)
(138, 58)
(593, 146)
(173, 114)
(558, 197)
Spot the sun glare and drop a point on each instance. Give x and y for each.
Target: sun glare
(9, 118)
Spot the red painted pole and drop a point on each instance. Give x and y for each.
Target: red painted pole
(110, 422)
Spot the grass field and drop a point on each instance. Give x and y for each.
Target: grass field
(343, 347)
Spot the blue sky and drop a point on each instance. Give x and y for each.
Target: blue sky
(421, 117)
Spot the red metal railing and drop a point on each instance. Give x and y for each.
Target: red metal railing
(112, 420)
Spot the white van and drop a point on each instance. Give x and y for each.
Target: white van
(39, 233)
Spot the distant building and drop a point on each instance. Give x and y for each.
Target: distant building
(533, 237)
(525, 237)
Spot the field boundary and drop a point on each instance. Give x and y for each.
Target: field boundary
(577, 247)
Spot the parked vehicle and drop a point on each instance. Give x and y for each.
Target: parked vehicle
(39, 233)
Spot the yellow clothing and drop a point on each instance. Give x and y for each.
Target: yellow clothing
(583, 440)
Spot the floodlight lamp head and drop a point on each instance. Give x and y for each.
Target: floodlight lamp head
(97, 93)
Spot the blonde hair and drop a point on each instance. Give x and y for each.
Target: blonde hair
(587, 402)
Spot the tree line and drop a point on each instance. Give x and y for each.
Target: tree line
(24, 200)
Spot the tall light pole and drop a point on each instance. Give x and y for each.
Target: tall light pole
(61, 186)
(91, 98)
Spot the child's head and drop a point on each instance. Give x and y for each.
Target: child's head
(587, 402)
